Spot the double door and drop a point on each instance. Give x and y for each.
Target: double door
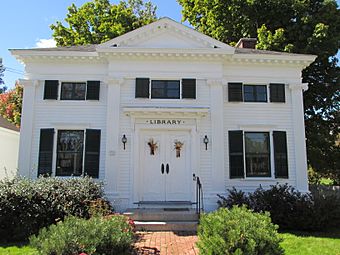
(165, 166)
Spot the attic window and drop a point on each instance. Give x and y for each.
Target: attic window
(115, 45)
(215, 47)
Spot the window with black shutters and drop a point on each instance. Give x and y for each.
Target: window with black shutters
(51, 88)
(189, 88)
(78, 152)
(255, 93)
(280, 154)
(236, 154)
(277, 93)
(45, 152)
(235, 92)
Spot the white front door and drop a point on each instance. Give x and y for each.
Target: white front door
(165, 169)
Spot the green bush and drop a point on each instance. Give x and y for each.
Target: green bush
(97, 235)
(289, 208)
(238, 231)
(28, 205)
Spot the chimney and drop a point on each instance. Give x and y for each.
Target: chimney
(248, 43)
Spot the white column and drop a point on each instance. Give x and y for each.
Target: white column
(26, 128)
(217, 136)
(299, 136)
(112, 134)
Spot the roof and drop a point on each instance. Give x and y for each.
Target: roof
(128, 44)
(6, 124)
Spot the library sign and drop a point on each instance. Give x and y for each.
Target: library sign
(166, 122)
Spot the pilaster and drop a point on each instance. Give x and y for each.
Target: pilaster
(217, 141)
(112, 134)
(26, 129)
(299, 136)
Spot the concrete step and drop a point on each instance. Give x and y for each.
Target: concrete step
(187, 226)
(162, 215)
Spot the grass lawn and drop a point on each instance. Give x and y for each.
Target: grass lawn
(299, 243)
(305, 243)
(16, 249)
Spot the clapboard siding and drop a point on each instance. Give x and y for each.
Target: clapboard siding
(253, 116)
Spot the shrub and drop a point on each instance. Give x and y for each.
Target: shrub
(97, 235)
(238, 231)
(289, 208)
(28, 205)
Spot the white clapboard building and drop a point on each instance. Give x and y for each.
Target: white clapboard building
(150, 111)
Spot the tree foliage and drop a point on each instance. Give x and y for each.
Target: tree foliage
(99, 21)
(299, 26)
(2, 70)
(11, 104)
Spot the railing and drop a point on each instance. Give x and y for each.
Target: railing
(199, 196)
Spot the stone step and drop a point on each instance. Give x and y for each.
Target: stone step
(162, 215)
(185, 226)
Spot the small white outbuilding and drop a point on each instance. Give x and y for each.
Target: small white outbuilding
(9, 149)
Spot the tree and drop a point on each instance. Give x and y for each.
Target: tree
(99, 21)
(309, 27)
(11, 104)
(2, 70)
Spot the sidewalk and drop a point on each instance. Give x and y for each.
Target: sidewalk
(166, 243)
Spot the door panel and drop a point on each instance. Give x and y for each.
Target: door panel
(178, 178)
(153, 181)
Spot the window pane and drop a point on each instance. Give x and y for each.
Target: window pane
(66, 91)
(249, 94)
(79, 91)
(165, 89)
(261, 93)
(255, 93)
(70, 152)
(257, 154)
(73, 91)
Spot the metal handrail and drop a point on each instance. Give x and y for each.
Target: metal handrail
(199, 196)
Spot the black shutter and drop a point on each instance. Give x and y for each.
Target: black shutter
(92, 152)
(51, 89)
(92, 90)
(189, 88)
(45, 152)
(142, 87)
(280, 154)
(277, 92)
(236, 154)
(235, 92)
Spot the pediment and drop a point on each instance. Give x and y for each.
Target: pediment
(165, 34)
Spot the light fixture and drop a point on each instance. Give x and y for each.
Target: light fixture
(124, 140)
(206, 141)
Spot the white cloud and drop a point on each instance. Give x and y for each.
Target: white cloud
(45, 43)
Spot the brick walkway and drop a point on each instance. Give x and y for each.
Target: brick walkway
(166, 243)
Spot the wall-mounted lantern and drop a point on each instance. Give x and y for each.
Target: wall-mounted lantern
(124, 140)
(206, 141)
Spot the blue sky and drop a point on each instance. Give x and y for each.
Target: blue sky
(25, 24)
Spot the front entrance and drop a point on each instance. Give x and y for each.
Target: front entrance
(165, 166)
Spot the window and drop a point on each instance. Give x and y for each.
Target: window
(257, 154)
(250, 154)
(165, 89)
(70, 146)
(73, 91)
(238, 92)
(255, 93)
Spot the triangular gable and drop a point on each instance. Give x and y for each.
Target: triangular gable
(165, 33)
